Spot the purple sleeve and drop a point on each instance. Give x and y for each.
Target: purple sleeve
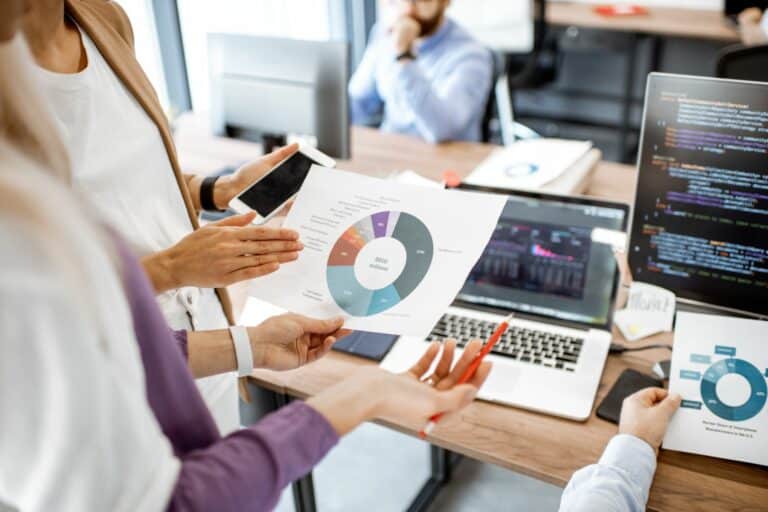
(181, 342)
(248, 469)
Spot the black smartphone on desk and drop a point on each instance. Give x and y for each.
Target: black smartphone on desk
(628, 383)
(369, 345)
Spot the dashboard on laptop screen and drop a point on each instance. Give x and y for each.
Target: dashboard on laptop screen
(544, 258)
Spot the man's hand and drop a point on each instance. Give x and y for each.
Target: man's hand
(289, 341)
(405, 30)
(646, 415)
(222, 253)
(750, 26)
(228, 187)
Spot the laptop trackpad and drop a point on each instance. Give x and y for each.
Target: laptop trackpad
(501, 382)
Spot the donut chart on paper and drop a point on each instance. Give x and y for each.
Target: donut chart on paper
(378, 261)
(746, 370)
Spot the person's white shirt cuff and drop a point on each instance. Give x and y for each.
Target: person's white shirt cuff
(634, 456)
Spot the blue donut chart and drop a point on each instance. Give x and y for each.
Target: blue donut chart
(348, 292)
(754, 377)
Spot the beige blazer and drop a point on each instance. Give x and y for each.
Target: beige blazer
(107, 25)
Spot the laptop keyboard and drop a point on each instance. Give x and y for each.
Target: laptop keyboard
(526, 345)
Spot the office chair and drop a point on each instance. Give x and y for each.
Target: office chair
(743, 63)
(534, 69)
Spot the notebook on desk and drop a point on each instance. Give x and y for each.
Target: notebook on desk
(555, 166)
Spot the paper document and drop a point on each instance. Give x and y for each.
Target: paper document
(720, 367)
(650, 310)
(528, 164)
(389, 257)
(409, 177)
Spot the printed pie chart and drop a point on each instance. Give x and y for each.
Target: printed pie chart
(378, 262)
(755, 384)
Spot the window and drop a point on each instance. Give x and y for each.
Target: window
(147, 49)
(300, 19)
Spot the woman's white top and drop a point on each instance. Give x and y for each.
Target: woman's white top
(120, 164)
(73, 402)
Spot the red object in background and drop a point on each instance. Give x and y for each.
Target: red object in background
(621, 10)
(451, 179)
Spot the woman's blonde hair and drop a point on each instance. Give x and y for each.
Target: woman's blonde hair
(26, 121)
(35, 184)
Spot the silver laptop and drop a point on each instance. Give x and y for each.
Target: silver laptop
(550, 261)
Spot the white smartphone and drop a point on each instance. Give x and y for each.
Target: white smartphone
(267, 195)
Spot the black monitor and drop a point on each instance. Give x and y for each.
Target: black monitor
(700, 223)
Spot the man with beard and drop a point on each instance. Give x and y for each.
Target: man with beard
(424, 74)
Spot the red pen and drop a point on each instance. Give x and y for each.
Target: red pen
(470, 372)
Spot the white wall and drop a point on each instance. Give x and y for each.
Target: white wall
(299, 19)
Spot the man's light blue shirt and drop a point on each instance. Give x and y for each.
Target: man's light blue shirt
(440, 96)
(764, 22)
(619, 482)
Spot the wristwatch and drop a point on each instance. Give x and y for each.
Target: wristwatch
(407, 54)
(206, 194)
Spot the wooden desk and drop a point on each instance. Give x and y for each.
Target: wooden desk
(537, 445)
(662, 21)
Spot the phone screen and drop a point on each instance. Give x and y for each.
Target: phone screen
(278, 186)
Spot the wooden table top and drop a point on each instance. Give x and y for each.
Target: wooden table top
(664, 21)
(541, 446)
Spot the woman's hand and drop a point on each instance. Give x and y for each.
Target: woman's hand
(413, 396)
(222, 253)
(646, 415)
(430, 393)
(228, 187)
(288, 341)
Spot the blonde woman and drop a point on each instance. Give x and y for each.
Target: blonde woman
(98, 408)
(125, 163)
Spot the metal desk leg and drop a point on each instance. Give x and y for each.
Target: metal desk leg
(303, 488)
(442, 462)
(629, 86)
(304, 494)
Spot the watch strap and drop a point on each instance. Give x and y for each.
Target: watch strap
(206, 194)
(243, 351)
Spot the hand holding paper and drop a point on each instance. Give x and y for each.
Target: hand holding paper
(389, 257)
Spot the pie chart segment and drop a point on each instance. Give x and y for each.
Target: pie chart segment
(364, 230)
(344, 253)
(347, 292)
(745, 369)
(392, 219)
(405, 231)
(379, 221)
(411, 232)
